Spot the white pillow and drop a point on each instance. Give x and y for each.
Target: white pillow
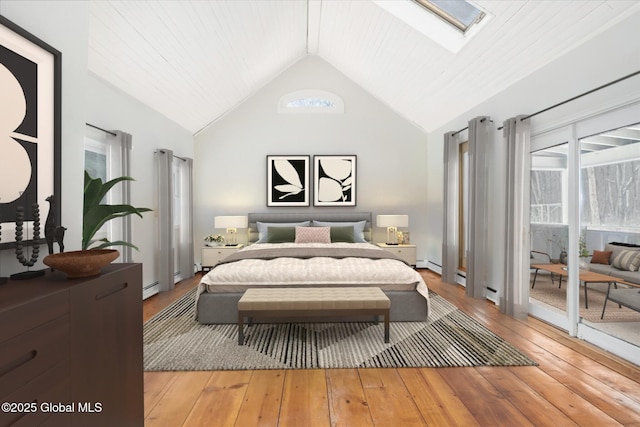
(358, 228)
(626, 260)
(264, 226)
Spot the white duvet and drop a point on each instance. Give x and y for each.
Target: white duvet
(388, 274)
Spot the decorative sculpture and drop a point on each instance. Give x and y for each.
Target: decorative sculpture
(35, 250)
(52, 232)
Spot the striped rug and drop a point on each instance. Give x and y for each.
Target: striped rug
(174, 341)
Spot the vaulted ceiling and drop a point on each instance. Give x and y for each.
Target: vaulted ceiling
(194, 60)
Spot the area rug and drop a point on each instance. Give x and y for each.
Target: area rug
(174, 341)
(550, 294)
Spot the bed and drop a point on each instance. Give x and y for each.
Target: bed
(274, 258)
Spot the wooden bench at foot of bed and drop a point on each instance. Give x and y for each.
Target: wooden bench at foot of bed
(312, 302)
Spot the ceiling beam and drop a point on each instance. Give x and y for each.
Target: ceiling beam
(314, 12)
(626, 133)
(608, 141)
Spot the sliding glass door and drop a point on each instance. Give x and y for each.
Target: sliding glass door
(463, 208)
(585, 195)
(549, 233)
(609, 225)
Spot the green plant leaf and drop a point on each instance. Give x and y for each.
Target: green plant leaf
(95, 214)
(106, 243)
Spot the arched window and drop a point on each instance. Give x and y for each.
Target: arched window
(310, 102)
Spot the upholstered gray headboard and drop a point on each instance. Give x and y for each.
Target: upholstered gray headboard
(307, 216)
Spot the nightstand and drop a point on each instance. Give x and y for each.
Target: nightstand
(406, 252)
(211, 255)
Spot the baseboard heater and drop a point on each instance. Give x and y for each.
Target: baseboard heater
(150, 290)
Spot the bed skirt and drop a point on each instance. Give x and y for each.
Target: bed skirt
(406, 306)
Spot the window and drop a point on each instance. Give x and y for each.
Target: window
(459, 13)
(610, 180)
(95, 158)
(97, 163)
(106, 157)
(611, 195)
(546, 196)
(311, 102)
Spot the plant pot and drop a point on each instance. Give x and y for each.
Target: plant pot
(584, 263)
(563, 257)
(78, 264)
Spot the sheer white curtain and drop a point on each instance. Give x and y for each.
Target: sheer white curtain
(164, 182)
(119, 153)
(183, 224)
(451, 198)
(478, 258)
(175, 213)
(515, 298)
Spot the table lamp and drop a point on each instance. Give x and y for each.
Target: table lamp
(231, 223)
(392, 222)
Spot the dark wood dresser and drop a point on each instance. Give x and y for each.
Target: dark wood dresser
(71, 350)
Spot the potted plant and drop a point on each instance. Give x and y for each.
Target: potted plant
(214, 239)
(584, 253)
(96, 214)
(93, 256)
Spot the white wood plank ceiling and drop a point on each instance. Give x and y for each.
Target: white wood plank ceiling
(195, 60)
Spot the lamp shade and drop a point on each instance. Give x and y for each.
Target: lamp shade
(230, 222)
(392, 220)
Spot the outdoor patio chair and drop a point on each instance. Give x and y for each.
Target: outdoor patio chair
(538, 257)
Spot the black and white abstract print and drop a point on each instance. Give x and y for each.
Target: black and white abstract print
(335, 180)
(288, 180)
(29, 127)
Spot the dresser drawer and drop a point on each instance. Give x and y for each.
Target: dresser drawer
(214, 254)
(23, 317)
(407, 253)
(28, 355)
(53, 386)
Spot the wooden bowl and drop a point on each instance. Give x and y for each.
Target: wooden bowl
(81, 263)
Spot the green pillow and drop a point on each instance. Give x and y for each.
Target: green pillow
(281, 234)
(342, 234)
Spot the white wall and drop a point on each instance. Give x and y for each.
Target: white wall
(87, 98)
(230, 155)
(112, 109)
(606, 57)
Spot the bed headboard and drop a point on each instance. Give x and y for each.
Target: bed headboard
(306, 216)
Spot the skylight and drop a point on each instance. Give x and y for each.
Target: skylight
(459, 13)
(450, 23)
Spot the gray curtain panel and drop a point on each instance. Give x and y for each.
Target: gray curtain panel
(478, 257)
(514, 301)
(450, 220)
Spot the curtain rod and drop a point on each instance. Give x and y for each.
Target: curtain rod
(463, 129)
(566, 101)
(581, 95)
(103, 130)
(177, 157)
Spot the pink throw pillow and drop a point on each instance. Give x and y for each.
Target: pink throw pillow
(313, 235)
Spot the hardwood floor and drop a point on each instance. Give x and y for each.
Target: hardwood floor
(575, 384)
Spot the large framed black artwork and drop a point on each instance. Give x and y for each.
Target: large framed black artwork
(334, 180)
(288, 180)
(29, 129)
